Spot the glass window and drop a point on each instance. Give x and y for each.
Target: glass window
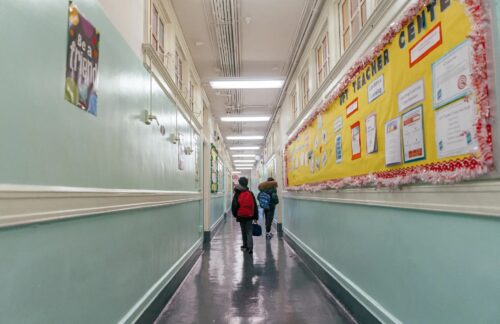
(305, 89)
(154, 28)
(322, 59)
(354, 15)
(178, 70)
(293, 98)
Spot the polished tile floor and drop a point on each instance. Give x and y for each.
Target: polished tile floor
(230, 286)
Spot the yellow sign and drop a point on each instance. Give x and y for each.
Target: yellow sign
(401, 110)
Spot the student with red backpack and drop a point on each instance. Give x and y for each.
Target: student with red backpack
(244, 208)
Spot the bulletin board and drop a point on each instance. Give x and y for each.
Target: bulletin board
(416, 108)
(214, 170)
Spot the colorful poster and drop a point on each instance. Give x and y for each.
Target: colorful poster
(82, 62)
(338, 148)
(356, 141)
(455, 128)
(392, 142)
(412, 95)
(413, 135)
(451, 75)
(371, 134)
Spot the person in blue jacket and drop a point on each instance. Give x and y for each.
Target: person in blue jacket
(268, 199)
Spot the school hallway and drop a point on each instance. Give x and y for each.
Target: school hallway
(131, 130)
(228, 285)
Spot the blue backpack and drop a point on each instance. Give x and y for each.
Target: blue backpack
(264, 200)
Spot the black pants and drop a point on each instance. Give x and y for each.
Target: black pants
(246, 233)
(269, 218)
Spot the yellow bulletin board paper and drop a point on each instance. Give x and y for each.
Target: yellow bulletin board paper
(425, 60)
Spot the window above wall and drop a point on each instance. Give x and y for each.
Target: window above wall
(158, 30)
(354, 15)
(179, 68)
(304, 88)
(322, 59)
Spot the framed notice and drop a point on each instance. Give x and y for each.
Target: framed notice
(338, 148)
(371, 134)
(82, 61)
(451, 75)
(356, 141)
(413, 135)
(455, 128)
(393, 142)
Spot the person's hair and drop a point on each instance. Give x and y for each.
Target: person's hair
(243, 181)
(270, 179)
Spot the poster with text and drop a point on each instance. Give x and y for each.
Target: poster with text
(82, 62)
(413, 135)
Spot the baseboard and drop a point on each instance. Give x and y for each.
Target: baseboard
(208, 235)
(353, 305)
(149, 307)
(158, 304)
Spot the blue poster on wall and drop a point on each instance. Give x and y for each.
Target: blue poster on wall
(82, 61)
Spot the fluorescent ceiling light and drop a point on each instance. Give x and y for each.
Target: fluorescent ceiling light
(244, 155)
(256, 137)
(243, 165)
(236, 172)
(244, 161)
(246, 119)
(244, 168)
(247, 84)
(244, 148)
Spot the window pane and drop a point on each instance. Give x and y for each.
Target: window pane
(154, 22)
(345, 15)
(347, 39)
(356, 26)
(354, 6)
(161, 34)
(363, 14)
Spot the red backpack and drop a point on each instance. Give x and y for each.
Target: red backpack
(245, 201)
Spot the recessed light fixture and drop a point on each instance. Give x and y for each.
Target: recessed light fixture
(246, 119)
(245, 138)
(247, 84)
(236, 172)
(244, 148)
(244, 161)
(244, 155)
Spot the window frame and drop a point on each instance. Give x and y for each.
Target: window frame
(305, 88)
(360, 13)
(179, 69)
(322, 56)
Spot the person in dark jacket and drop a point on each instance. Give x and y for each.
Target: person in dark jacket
(269, 187)
(245, 222)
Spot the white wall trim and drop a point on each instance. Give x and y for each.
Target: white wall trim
(217, 222)
(363, 297)
(474, 198)
(21, 205)
(133, 315)
(217, 195)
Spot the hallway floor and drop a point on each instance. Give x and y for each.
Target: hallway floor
(228, 285)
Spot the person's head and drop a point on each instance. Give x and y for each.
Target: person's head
(270, 179)
(243, 181)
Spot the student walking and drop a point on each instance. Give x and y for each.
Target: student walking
(268, 199)
(244, 208)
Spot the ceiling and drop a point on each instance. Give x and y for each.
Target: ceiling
(254, 39)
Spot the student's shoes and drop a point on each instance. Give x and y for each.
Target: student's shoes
(250, 251)
(269, 236)
(243, 247)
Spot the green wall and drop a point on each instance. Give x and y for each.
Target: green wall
(47, 141)
(422, 267)
(91, 269)
(216, 209)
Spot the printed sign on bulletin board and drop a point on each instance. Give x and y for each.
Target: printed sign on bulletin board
(416, 108)
(82, 61)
